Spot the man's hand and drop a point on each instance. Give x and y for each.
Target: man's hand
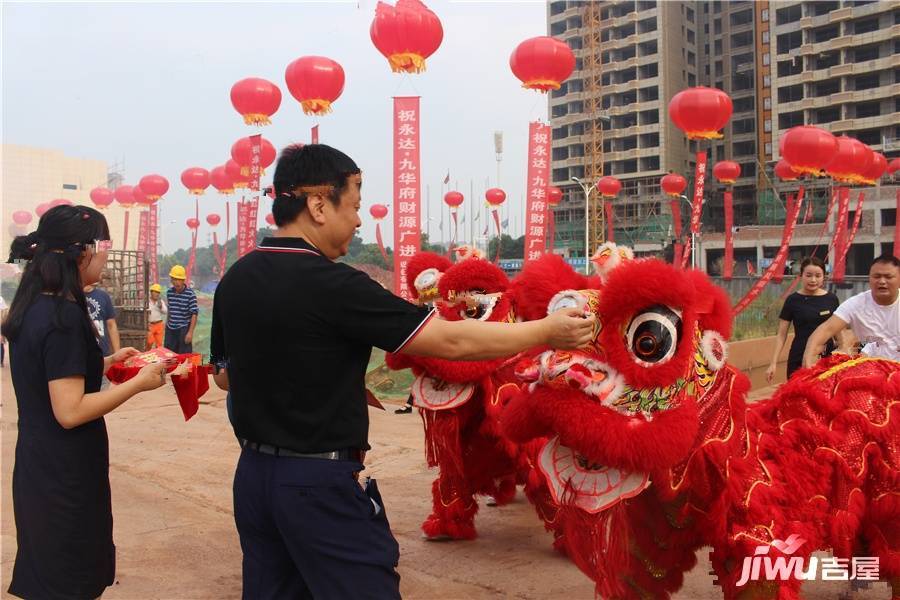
(770, 372)
(570, 328)
(189, 337)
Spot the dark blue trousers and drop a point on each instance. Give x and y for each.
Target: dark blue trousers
(308, 530)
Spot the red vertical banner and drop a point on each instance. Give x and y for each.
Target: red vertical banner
(143, 247)
(153, 242)
(252, 220)
(255, 150)
(897, 226)
(142, 232)
(610, 218)
(407, 190)
(696, 206)
(314, 135)
(857, 219)
(728, 261)
(125, 230)
(243, 218)
(794, 206)
(536, 189)
(839, 266)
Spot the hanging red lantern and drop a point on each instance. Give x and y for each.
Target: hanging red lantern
(316, 82)
(242, 154)
(140, 198)
(609, 186)
(270, 220)
(673, 184)
(893, 166)
(196, 180)
(102, 197)
(454, 200)
(554, 195)
(700, 112)
(238, 179)
(808, 149)
(876, 169)
(41, 208)
(21, 217)
(125, 195)
(542, 63)
(378, 211)
(785, 172)
(851, 160)
(193, 223)
(495, 197)
(61, 202)
(256, 100)
(727, 171)
(154, 186)
(213, 219)
(221, 180)
(406, 34)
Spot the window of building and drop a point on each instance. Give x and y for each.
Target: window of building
(825, 60)
(629, 98)
(828, 114)
(690, 15)
(649, 94)
(650, 140)
(745, 17)
(739, 126)
(561, 153)
(557, 7)
(649, 163)
(720, 152)
(768, 148)
(576, 151)
(764, 15)
(786, 120)
(765, 37)
(559, 111)
(767, 103)
(719, 68)
(561, 175)
(627, 53)
(866, 25)
(628, 143)
(743, 81)
(690, 37)
(627, 75)
(767, 81)
(789, 41)
(766, 59)
(691, 79)
(865, 53)
(575, 43)
(767, 125)
(607, 146)
(747, 148)
(648, 48)
(744, 38)
(691, 58)
(558, 28)
(718, 47)
(789, 14)
(648, 117)
(823, 8)
(647, 25)
(649, 71)
(717, 6)
(867, 81)
(790, 93)
(629, 166)
(868, 109)
(706, 28)
(748, 169)
(823, 34)
(560, 132)
(706, 49)
(70, 186)
(792, 66)
(717, 26)
(742, 105)
(827, 87)
(872, 137)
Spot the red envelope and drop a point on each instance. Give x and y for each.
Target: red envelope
(189, 388)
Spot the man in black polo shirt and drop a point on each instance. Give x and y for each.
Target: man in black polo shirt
(291, 337)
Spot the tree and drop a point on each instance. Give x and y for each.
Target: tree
(510, 248)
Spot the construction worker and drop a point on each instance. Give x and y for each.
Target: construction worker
(182, 315)
(158, 313)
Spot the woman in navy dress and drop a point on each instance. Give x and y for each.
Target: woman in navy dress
(61, 495)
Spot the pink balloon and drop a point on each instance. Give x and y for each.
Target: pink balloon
(21, 217)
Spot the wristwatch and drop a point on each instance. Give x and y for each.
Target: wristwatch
(219, 366)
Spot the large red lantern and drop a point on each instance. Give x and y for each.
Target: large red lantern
(808, 149)
(893, 166)
(196, 180)
(154, 186)
(542, 63)
(102, 197)
(673, 184)
(727, 171)
(406, 34)
(242, 154)
(125, 195)
(140, 197)
(238, 179)
(61, 202)
(316, 82)
(378, 211)
(256, 100)
(41, 208)
(554, 195)
(852, 159)
(495, 197)
(213, 219)
(221, 180)
(876, 169)
(454, 200)
(609, 186)
(700, 112)
(785, 172)
(192, 223)
(21, 217)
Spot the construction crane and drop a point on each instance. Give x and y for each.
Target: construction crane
(593, 147)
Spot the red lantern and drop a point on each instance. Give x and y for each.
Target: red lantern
(238, 179)
(609, 186)
(213, 219)
(454, 200)
(876, 169)
(196, 180)
(554, 195)
(270, 220)
(406, 34)
(785, 172)
(893, 166)
(242, 154)
(155, 186)
(193, 223)
(256, 100)
(851, 160)
(41, 208)
(316, 82)
(21, 217)
(378, 211)
(542, 63)
(673, 184)
(495, 196)
(61, 202)
(700, 112)
(727, 171)
(808, 149)
(125, 195)
(221, 180)
(140, 198)
(102, 197)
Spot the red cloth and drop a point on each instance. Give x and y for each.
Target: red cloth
(189, 388)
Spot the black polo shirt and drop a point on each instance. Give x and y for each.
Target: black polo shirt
(296, 331)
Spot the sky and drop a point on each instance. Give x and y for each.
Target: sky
(146, 85)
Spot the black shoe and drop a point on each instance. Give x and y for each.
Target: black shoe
(403, 411)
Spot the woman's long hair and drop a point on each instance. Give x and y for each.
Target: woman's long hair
(52, 254)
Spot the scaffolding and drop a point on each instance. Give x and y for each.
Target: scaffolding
(593, 147)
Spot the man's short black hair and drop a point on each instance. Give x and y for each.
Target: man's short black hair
(308, 165)
(886, 259)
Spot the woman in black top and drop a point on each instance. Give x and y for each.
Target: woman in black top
(61, 495)
(806, 309)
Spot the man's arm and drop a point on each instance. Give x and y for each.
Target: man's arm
(112, 330)
(189, 336)
(815, 345)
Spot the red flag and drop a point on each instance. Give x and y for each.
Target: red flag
(839, 265)
(809, 210)
(728, 264)
(751, 270)
(857, 218)
(407, 190)
(314, 135)
(697, 204)
(536, 190)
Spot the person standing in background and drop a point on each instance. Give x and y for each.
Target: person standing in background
(182, 316)
(158, 313)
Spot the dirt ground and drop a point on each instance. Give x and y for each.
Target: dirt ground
(175, 534)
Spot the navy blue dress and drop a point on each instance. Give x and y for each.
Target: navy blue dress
(61, 495)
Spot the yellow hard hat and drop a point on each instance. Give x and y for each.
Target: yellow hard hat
(177, 272)
(156, 288)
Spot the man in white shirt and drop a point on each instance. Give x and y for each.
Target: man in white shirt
(873, 316)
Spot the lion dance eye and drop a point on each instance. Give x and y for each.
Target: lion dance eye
(652, 336)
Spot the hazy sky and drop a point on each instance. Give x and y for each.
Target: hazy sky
(147, 85)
